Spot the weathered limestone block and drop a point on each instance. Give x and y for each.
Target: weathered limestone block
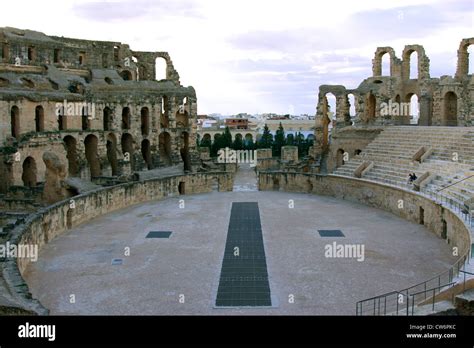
(54, 188)
(289, 153)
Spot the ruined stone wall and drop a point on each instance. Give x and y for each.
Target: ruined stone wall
(444, 101)
(109, 78)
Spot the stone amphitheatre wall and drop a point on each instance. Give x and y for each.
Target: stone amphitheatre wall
(375, 195)
(48, 223)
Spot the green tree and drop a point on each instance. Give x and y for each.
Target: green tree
(266, 140)
(249, 145)
(227, 138)
(238, 144)
(279, 141)
(290, 139)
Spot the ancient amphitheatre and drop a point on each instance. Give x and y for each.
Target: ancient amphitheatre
(92, 185)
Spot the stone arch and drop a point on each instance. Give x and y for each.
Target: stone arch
(111, 146)
(238, 136)
(414, 108)
(85, 120)
(331, 101)
(164, 116)
(165, 147)
(107, 119)
(146, 152)
(248, 139)
(126, 118)
(145, 120)
(216, 136)
(71, 154)
(206, 137)
(450, 109)
(340, 158)
(62, 119)
(161, 68)
(414, 71)
(184, 150)
(182, 119)
(39, 119)
(377, 61)
(29, 172)
(92, 156)
(352, 105)
(15, 121)
(370, 107)
(127, 147)
(463, 58)
(126, 75)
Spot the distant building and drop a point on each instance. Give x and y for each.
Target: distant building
(237, 123)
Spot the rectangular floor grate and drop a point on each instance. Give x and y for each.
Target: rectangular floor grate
(331, 233)
(117, 262)
(244, 277)
(158, 234)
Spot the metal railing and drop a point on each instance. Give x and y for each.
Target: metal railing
(398, 302)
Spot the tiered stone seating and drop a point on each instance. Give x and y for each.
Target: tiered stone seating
(392, 152)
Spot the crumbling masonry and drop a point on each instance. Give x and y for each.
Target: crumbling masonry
(95, 109)
(443, 101)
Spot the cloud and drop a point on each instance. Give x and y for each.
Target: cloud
(106, 11)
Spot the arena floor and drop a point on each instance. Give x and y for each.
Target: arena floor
(180, 275)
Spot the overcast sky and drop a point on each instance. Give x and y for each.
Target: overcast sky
(260, 55)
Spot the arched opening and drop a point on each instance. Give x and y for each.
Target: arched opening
(370, 107)
(15, 121)
(357, 152)
(385, 64)
(248, 139)
(397, 99)
(182, 188)
(106, 119)
(126, 75)
(126, 118)
(112, 153)
(146, 152)
(164, 117)
(137, 71)
(145, 121)
(127, 148)
(160, 69)
(29, 172)
(71, 155)
(352, 105)
(165, 147)
(414, 109)
(69, 215)
(331, 108)
(450, 109)
(62, 120)
(185, 150)
(92, 156)
(340, 158)
(413, 65)
(39, 118)
(276, 184)
(85, 121)
(216, 136)
(182, 119)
